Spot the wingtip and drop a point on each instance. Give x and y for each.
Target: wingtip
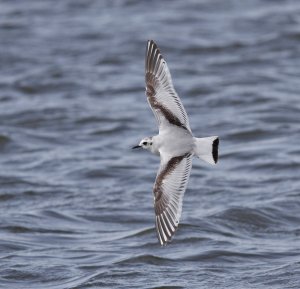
(151, 42)
(165, 232)
(164, 243)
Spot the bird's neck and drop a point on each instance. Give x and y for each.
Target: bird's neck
(155, 145)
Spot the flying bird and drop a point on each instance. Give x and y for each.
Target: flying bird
(175, 144)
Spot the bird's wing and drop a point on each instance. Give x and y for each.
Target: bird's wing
(162, 97)
(169, 188)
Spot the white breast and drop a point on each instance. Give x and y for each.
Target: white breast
(174, 142)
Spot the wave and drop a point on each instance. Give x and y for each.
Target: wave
(146, 259)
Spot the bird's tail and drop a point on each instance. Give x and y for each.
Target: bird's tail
(206, 148)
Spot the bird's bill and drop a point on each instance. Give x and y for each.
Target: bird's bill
(136, 147)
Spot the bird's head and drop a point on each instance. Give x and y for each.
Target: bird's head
(145, 143)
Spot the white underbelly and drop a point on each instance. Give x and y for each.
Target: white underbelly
(175, 142)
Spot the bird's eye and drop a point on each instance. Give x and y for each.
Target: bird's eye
(144, 143)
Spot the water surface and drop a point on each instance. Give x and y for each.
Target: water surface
(76, 203)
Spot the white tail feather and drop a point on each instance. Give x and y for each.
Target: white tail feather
(206, 148)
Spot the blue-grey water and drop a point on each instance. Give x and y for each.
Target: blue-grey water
(76, 204)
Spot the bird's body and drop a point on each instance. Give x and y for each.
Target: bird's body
(173, 141)
(175, 144)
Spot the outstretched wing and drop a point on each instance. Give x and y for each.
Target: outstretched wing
(169, 188)
(162, 97)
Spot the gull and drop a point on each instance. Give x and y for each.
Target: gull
(175, 144)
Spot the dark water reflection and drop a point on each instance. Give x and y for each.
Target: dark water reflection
(76, 202)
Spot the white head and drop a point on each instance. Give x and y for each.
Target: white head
(145, 143)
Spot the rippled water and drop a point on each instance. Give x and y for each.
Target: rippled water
(76, 203)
